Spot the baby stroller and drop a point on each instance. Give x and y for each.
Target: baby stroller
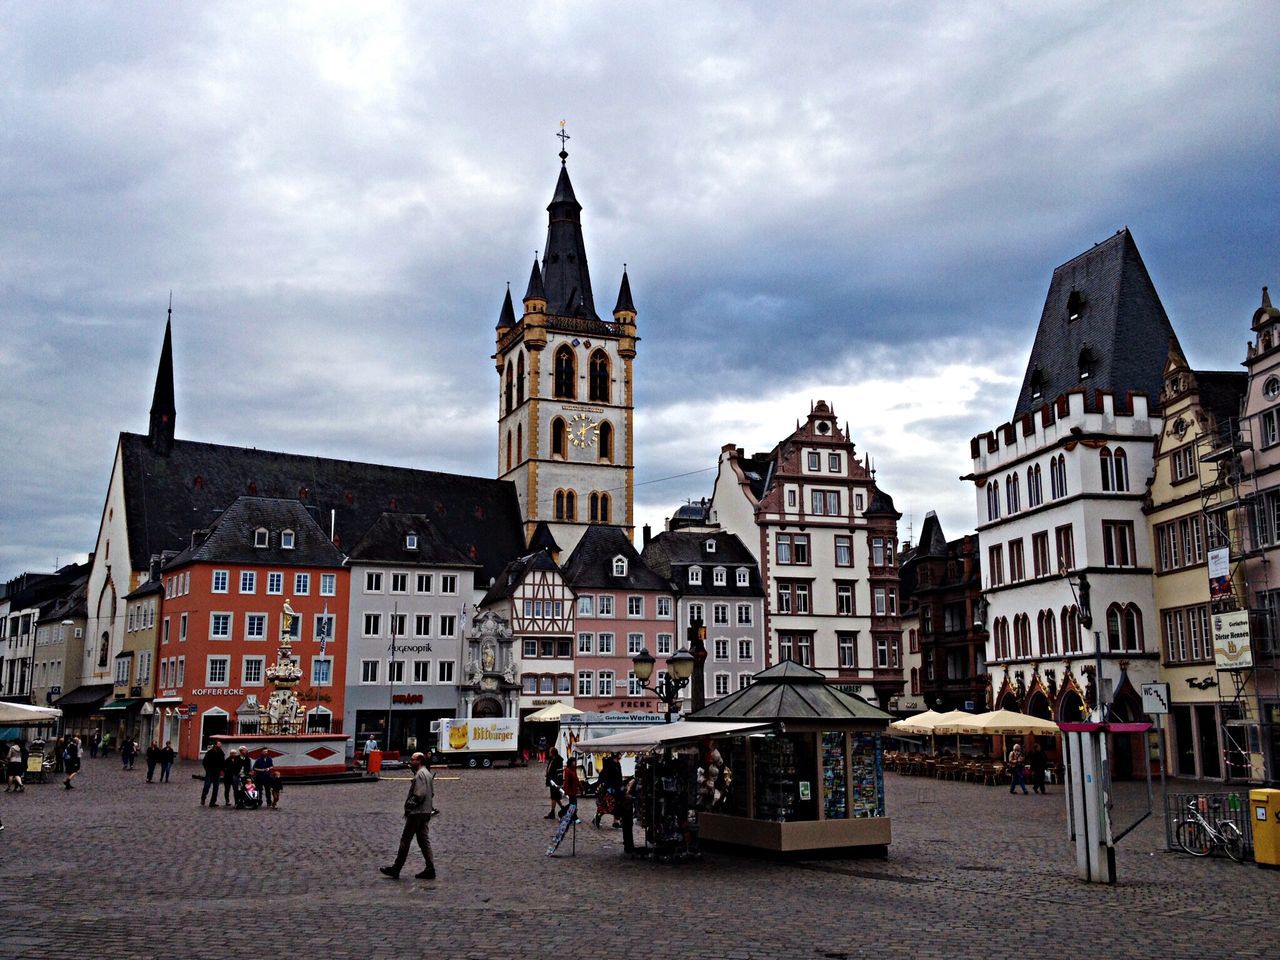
(248, 796)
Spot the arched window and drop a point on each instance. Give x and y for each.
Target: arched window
(604, 508)
(1022, 635)
(509, 391)
(1048, 635)
(520, 380)
(559, 504)
(1104, 460)
(509, 462)
(1071, 630)
(593, 507)
(519, 443)
(559, 437)
(1120, 467)
(1124, 628)
(598, 378)
(1035, 493)
(1000, 634)
(993, 500)
(566, 374)
(570, 505)
(1013, 493)
(1058, 477)
(606, 441)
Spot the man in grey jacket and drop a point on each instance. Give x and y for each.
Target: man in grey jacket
(418, 809)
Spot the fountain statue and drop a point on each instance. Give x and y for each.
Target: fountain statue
(284, 712)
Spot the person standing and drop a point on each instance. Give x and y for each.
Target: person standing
(235, 765)
(1017, 769)
(214, 762)
(15, 770)
(262, 777)
(572, 788)
(555, 774)
(610, 789)
(166, 760)
(126, 753)
(153, 758)
(71, 761)
(1038, 761)
(419, 807)
(94, 743)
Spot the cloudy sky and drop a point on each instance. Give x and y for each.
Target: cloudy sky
(861, 202)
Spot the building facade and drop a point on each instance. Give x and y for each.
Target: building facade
(565, 397)
(826, 538)
(131, 711)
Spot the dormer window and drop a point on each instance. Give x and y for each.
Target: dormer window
(719, 576)
(1087, 361)
(744, 577)
(411, 541)
(286, 539)
(1037, 383)
(695, 576)
(710, 546)
(1075, 305)
(619, 566)
(261, 537)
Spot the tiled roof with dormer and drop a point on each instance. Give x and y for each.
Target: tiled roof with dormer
(387, 541)
(591, 563)
(233, 538)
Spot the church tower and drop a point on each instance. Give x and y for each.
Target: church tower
(565, 414)
(163, 407)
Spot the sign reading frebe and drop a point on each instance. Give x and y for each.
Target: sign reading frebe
(1155, 698)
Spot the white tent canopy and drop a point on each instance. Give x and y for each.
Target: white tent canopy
(1000, 722)
(669, 735)
(929, 722)
(553, 711)
(23, 713)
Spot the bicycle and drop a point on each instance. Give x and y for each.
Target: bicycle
(1198, 836)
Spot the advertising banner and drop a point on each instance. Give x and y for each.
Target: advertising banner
(1220, 573)
(1231, 648)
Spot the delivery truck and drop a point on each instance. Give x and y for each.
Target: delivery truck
(478, 741)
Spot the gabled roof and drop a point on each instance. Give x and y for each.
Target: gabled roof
(1119, 323)
(70, 604)
(542, 539)
(789, 691)
(505, 584)
(932, 542)
(591, 563)
(167, 497)
(232, 537)
(46, 590)
(146, 590)
(385, 542)
(670, 555)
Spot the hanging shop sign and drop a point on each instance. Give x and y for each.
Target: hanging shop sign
(1231, 647)
(1220, 573)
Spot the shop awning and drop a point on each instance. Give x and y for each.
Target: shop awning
(669, 735)
(125, 704)
(160, 701)
(87, 696)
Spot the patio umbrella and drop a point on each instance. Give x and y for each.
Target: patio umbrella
(23, 713)
(929, 722)
(999, 723)
(553, 711)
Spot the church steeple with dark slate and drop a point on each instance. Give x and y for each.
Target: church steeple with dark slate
(565, 276)
(163, 412)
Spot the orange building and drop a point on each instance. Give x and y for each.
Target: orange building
(222, 616)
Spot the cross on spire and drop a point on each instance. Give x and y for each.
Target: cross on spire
(564, 155)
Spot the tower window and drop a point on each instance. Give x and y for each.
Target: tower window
(520, 380)
(519, 443)
(566, 505)
(566, 374)
(559, 437)
(1075, 305)
(510, 387)
(509, 450)
(1037, 383)
(598, 381)
(1087, 363)
(598, 507)
(606, 441)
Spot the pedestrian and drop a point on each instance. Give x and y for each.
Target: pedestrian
(555, 774)
(542, 749)
(106, 745)
(274, 785)
(59, 748)
(153, 759)
(126, 753)
(214, 761)
(419, 807)
(15, 768)
(235, 765)
(1038, 761)
(1017, 768)
(95, 743)
(609, 789)
(572, 789)
(626, 809)
(166, 760)
(71, 761)
(262, 776)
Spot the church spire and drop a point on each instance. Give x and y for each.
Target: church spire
(535, 297)
(565, 276)
(163, 412)
(507, 318)
(624, 304)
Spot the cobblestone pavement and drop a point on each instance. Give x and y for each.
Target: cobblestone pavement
(118, 868)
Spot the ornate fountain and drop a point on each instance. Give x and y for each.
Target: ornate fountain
(284, 712)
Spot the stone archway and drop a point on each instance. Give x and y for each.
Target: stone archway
(1070, 707)
(487, 708)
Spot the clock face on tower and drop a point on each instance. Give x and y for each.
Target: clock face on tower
(583, 431)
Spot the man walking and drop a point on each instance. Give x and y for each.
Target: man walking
(71, 761)
(418, 809)
(214, 762)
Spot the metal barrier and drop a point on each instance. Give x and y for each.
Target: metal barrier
(1233, 806)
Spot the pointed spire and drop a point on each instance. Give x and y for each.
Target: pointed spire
(624, 304)
(1266, 298)
(535, 290)
(163, 412)
(566, 278)
(507, 318)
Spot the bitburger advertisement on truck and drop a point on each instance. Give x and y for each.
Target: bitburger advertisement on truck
(478, 742)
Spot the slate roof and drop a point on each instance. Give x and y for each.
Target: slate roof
(1121, 322)
(507, 316)
(1222, 393)
(70, 604)
(46, 590)
(624, 296)
(882, 503)
(565, 275)
(170, 496)
(231, 538)
(148, 588)
(670, 555)
(543, 539)
(505, 584)
(789, 691)
(591, 563)
(385, 541)
(932, 542)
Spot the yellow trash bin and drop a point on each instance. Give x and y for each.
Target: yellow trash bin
(1264, 811)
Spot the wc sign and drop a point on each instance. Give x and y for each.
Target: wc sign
(1155, 698)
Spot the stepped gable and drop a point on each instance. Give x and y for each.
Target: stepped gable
(231, 538)
(591, 563)
(1102, 317)
(386, 542)
(169, 496)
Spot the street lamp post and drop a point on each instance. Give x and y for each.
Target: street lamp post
(679, 669)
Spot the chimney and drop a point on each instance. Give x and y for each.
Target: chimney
(647, 535)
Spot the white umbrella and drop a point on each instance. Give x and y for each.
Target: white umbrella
(24, 713)
(553, 711)
(929, 722)
(1001, 723)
